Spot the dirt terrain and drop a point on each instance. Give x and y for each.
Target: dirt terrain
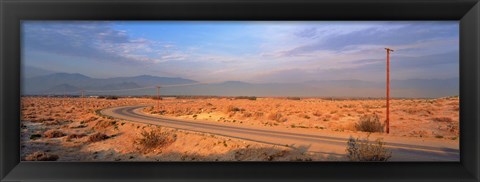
(70, 129)
(431, 118)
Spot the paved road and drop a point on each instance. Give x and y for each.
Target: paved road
(322, 141)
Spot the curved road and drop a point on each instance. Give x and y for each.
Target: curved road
(327, 142)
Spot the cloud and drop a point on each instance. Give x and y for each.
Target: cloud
(403, 67)
(386, 35)
(278, 52)
(94, 40)
(307, 33)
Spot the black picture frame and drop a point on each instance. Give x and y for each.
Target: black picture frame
(14, 11)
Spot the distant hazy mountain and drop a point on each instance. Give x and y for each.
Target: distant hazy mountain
(329, 88)
(63, 89)
(73, 83)
(30, 71)
(48, 84)
(119, 86)
(147, 80)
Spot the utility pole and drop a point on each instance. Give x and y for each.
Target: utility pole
(158, 98)
(83, 98)
(64, 97)
(387, 122)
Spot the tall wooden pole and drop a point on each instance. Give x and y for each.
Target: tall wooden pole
(387, 122)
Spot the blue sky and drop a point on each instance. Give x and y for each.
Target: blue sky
(251, 51)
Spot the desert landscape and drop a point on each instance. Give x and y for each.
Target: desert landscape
(436, 118)
(69, 129)
(72, 129)
(351, 91)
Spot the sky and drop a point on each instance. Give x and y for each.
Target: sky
(250, 51)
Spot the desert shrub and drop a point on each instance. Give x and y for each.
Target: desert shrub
(79, 126)
(411, 110)
(258, 114)
(102, 124)
(231, 108)
(75, 136)
(369, 123)
(111, 98)
(154, 139)
(276, 117)
(90, 119)
(317, 113)
(246, 97)
(53, 134)
(456, 108)
(247, 115)
(35, 136)
(443, 119)
(156, 98)
(294, 98)
(41, 120)
(41, 156)
(306, 116)
(453, 128)
(55, 122)
(97, 137)
(364, 150)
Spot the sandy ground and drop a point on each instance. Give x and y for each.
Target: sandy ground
(429, 118)
(68, 128)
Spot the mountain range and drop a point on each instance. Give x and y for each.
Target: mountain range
(73, 83)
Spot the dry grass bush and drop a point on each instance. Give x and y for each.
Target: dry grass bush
(246, 97)
(153, 139)
(53, 133)
(258, 114)
(156, 98)
(294, 98)
(41, 120)
(41, 156)
(92, 118)
(456, 108)
(111, 97)
(232, 109)
(411, 110)
(247, 115)
(306, 116)
(102, 124)
(453, 128)
(276, 117)
(54, 122)
(363, 150)
(75, 136)
(97, 137)
(35, 136)
(442, 119)
(369, 123)
(317, 113)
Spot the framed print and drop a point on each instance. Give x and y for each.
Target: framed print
(275, 91)
(210, 90)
